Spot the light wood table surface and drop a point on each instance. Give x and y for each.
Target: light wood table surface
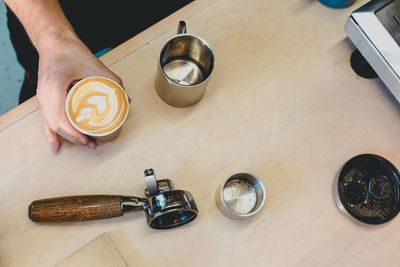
(283, 103)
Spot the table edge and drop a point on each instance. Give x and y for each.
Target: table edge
(28, 107)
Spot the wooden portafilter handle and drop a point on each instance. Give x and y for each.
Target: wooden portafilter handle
(82, 208)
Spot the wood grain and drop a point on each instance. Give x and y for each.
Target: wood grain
(75, 208)
(283, 103)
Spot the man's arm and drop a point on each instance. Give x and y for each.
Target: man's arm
(63, 59)
(43, 20)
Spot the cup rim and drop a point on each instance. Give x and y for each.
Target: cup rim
(201, 40)
(261, 203)
(91, 134)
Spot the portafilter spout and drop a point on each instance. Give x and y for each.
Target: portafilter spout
(164, 206)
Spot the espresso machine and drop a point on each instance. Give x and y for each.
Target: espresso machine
(375, 31)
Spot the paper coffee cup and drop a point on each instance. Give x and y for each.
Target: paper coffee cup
(97, 107)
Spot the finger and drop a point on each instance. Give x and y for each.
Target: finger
(114, 77)
(105, 72)
(52, 137)
(54, 113)
(92, 144)
(118, 80)
(66, 130)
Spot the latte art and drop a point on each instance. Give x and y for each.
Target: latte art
(97, 106)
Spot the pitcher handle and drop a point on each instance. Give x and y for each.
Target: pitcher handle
(181, 27)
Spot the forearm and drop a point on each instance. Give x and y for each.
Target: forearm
(43, 20)
(63, 60)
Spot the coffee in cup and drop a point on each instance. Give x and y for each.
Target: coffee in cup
(98, 107)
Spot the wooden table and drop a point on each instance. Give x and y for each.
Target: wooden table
(283, 103)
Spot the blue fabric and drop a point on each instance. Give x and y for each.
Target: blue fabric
(102, 52)
(337, 3)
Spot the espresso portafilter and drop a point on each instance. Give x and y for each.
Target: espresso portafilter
(164, 206)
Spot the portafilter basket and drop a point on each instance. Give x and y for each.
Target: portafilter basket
(241, 195)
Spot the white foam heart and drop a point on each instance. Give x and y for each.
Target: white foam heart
(99, 101)
(84, 114)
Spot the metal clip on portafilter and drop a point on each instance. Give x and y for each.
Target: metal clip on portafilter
(164, 206)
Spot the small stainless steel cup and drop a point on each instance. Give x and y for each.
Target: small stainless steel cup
(241, 195)
(184, 68)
